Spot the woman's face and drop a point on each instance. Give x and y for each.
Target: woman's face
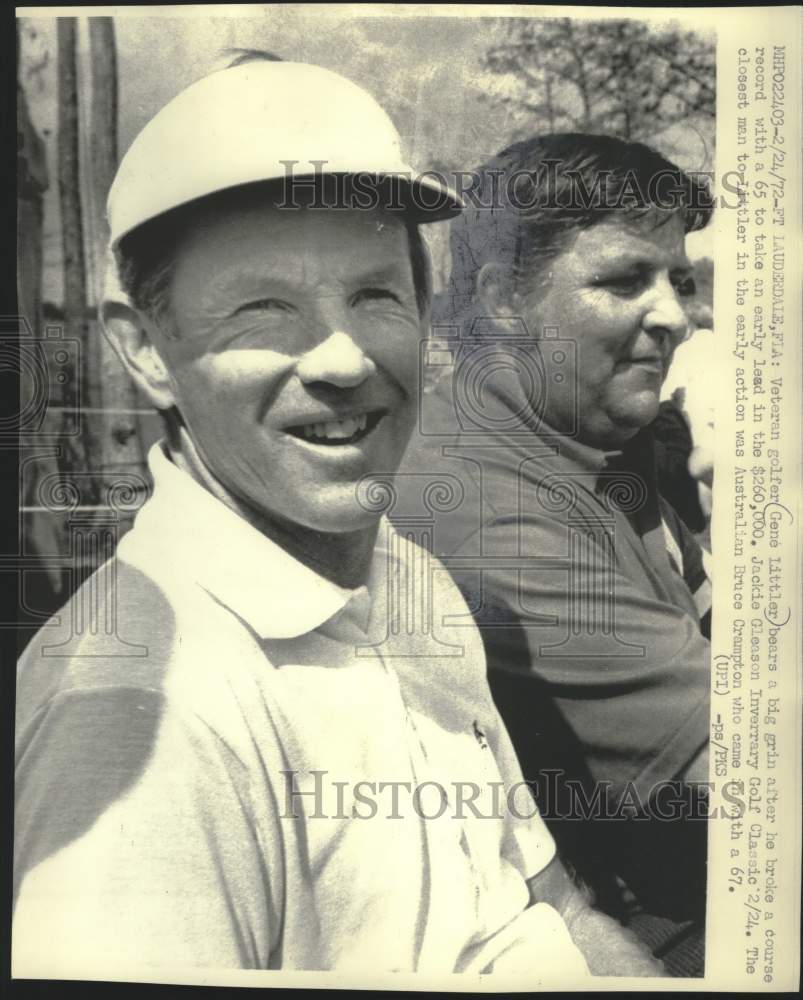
(616, 295)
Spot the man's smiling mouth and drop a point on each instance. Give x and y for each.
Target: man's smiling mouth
(330, 433)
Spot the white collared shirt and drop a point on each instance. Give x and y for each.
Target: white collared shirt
(244, 766)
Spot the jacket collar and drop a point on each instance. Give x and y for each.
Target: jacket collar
(185, 533)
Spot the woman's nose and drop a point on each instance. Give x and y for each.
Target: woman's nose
(338, 360)
(665, 315)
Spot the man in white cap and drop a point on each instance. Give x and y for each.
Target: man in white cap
(275, 777)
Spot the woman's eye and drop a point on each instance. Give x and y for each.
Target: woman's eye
(685, 286)
(622, 282)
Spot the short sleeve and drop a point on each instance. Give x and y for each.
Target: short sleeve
(135, 844)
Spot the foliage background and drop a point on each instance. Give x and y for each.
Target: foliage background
(459, 89)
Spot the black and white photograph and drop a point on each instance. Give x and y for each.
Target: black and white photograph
(380, 614)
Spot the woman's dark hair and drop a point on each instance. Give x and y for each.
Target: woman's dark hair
(527, 203)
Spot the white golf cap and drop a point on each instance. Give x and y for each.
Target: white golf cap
(246, 124)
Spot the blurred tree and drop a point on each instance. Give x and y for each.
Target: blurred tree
(72, 230)
(623, 77)
(32, 182)
(41, 531)
(112, 391)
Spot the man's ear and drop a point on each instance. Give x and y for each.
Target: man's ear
(131, 338)
(495, 292)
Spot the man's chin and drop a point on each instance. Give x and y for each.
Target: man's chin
(357, 516)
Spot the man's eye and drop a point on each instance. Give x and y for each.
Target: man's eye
(375, 295)
(264, 305)
(685, 286)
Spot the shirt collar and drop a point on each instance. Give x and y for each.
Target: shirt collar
(574, 451)
(185, 532)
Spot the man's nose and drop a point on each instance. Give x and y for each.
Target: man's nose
(337, 360)
(665, 316)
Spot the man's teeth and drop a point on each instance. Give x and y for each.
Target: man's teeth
(334, 430)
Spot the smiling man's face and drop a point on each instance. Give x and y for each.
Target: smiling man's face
(617, 293)
(294, 364)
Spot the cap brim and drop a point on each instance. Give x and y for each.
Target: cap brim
(433, 200)
(420, 198)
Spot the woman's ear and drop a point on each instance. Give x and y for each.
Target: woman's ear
(495, 292)
(131, 338)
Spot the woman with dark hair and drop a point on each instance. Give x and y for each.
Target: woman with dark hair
(569, 286)
(533, 198)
